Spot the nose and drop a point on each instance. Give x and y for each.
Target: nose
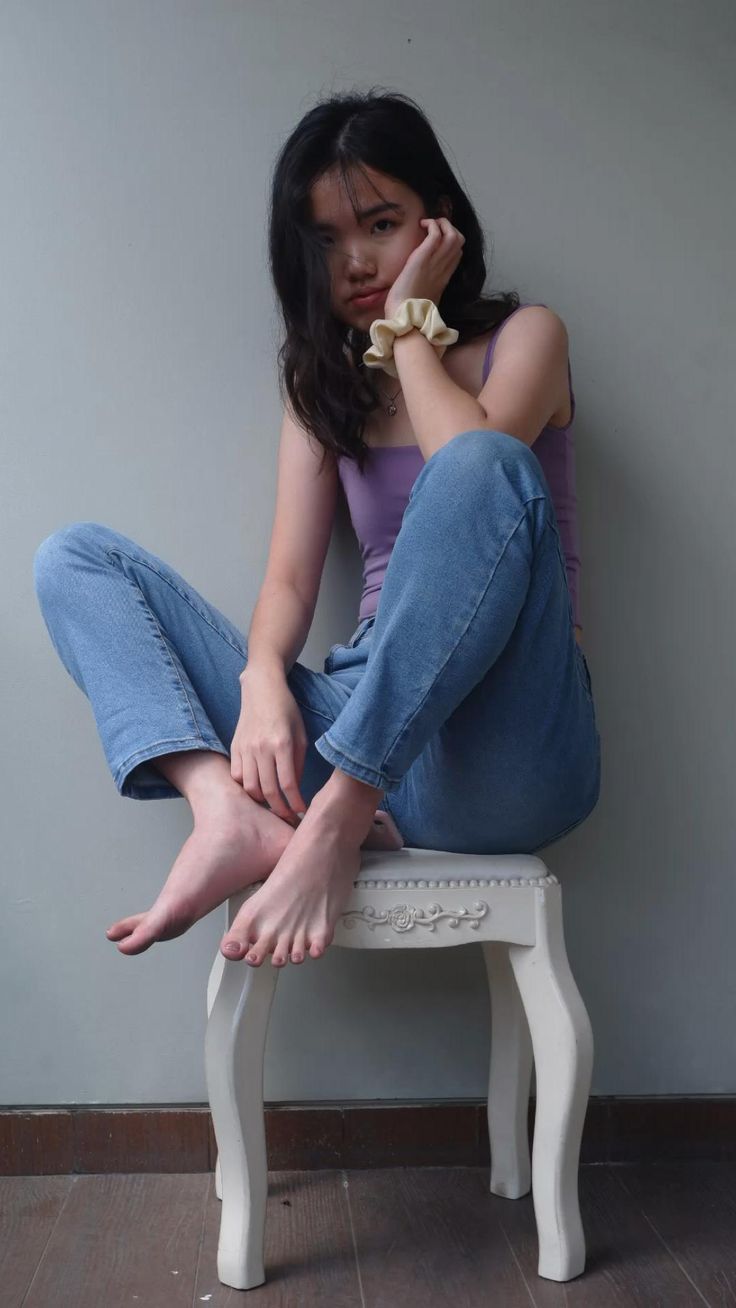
(356, 259)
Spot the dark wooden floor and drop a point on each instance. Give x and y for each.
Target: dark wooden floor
(657, 1234)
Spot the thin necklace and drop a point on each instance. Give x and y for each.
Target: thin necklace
(391, 407)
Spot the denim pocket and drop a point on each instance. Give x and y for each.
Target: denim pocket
(363, 627)
(330, 656)
(360, 631)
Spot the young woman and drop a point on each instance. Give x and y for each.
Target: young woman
(462, 700)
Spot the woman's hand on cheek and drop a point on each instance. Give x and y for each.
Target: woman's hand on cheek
(429, 267)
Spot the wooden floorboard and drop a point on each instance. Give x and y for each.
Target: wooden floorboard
(309, 1255)
(658, 1235)
(626, 1262)
(692, 1208)
(29, 1210)
(428, 1232)
(121, 1238)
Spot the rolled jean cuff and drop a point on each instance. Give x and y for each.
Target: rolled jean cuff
(353, 766)
(152, 784)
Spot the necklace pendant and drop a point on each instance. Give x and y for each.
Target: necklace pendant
(391, 410)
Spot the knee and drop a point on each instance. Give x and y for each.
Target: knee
(483, 445)
(476, 455)
(61, 548)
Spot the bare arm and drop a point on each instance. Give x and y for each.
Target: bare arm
(521, 392)
(279, 628)
(305, 508)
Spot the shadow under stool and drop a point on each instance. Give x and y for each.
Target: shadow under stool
(419, 899)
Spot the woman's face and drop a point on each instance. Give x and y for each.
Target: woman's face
(368, 251)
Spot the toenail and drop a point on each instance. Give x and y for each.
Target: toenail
(231, 947)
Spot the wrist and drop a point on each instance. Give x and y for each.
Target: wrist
(413, 335)
(415, 315)
(263, 669)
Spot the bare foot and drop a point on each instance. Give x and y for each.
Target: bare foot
(230, 847)
(297, 908)
(384, 833)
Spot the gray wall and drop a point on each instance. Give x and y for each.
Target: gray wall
(139, 390)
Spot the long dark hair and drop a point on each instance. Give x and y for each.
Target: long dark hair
(329, 396)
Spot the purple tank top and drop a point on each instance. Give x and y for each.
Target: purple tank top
(378, 498)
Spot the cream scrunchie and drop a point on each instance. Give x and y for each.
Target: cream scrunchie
(417, 312)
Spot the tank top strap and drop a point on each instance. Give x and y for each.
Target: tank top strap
(526, 304)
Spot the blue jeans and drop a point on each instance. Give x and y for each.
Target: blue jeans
(465, 698)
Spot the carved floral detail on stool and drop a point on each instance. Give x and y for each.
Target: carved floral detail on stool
(402, 917)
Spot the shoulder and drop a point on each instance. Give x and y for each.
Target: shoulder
(534, 324)
(531, 330)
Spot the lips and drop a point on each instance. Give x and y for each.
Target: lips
(368, 297)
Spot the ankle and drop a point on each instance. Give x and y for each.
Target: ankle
(358, 795)
(200, 775)
(347, 804)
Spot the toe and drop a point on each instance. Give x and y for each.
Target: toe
(138, 941)
(233, 948)
(263, 946)
(319, 943)
(298, 947)
(124, 927)
(250, 946)
(281, 951)
(159, 923)
(237, 940)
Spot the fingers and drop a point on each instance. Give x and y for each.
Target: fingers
(251, 780)
(451, 233)
(277, 775)
(271, 776)
(288, 782)
(270, 787)
(442, 227)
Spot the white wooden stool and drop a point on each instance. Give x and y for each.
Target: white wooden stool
(419, 899)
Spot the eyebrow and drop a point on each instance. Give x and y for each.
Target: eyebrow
(364, 213)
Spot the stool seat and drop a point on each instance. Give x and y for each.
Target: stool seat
(423, 899)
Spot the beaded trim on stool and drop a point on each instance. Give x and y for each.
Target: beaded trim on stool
(456, 883)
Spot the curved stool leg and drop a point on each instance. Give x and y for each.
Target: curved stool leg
(234, 1045)
(212, 988)
(562, 1041)
(509, 1077)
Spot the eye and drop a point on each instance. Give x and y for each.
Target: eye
(326, 240)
